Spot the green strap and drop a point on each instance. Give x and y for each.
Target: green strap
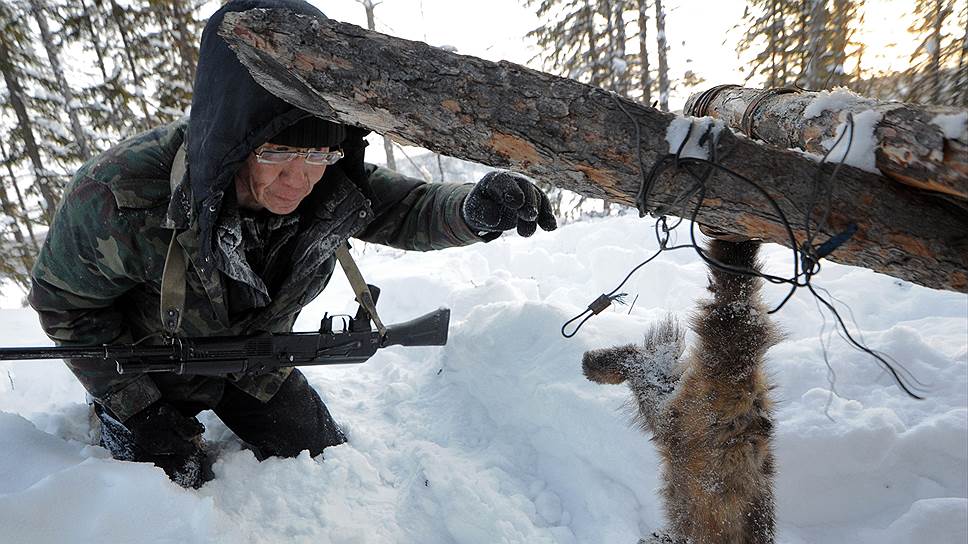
(363, 295)
(173, 278)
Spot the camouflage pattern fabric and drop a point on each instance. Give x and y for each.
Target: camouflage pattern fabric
(97, 278)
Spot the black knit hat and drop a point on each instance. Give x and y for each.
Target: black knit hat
(311, 132)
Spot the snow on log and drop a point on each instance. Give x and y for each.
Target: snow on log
(922, 146)
(583, 138)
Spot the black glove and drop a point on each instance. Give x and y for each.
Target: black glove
(503, 200)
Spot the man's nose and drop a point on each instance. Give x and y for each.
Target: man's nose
(293, 177)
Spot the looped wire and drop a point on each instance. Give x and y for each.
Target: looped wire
(806, 255)
(597, 306)
(700, 107)
(746, 123)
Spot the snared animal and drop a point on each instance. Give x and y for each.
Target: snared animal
(710, 412)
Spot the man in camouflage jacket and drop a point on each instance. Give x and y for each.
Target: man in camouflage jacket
(258, 239)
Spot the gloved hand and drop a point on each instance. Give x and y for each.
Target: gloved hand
(503, 200)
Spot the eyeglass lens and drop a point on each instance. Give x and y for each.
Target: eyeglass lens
(311, 157)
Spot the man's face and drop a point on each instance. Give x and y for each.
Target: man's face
(277, 186)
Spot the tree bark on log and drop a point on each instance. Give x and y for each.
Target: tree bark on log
(909, 144)
(587, 140)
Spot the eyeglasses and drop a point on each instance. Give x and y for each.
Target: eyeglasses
(318, 158)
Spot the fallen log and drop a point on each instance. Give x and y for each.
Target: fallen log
(922, 146)
(587, 140)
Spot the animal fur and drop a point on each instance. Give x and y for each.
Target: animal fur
(710, 412)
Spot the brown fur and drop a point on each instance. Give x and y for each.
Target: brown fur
(709, 413)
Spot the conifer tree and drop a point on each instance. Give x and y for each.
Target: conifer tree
(41, 11)
(619, 62)
(22, 69)
(126, 21)
(768, 19)
(132, 67)
(938, 72)
(16, 249)
(569, 39)
(807, 43)
(170, 51)
(106, 106)
(589, 40)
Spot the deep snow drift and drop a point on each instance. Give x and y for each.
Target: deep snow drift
(497, 437)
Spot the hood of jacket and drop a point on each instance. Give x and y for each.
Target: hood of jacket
(231, 116)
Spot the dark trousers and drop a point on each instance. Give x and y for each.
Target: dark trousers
(293, 420)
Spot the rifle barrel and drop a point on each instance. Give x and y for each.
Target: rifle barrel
(51, 352)
(81, 352)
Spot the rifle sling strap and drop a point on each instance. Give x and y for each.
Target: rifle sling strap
(355, 277)
(173, 278)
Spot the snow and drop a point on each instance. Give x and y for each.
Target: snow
(58, 129)
(619, 65)
(841, 98)
(497, 437)
(679, 128)
(857, 146)
(953, 125)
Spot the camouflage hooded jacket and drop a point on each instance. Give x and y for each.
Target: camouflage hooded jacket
(98, 277)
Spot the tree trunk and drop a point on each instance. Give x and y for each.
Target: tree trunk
(10, 209)
(140, 90)
(580, 138)
(181, 22)
(622, 74)
(369, 6)
(52, 54)
(935, 63)
(98, 44)
(644, 52)
(16, 93)
(861, 47)
(663, 49)
(594, 62)
(907, 147)
(22, 215)
(772, 38)
(815, 73)
(961, 80)
(605, 10)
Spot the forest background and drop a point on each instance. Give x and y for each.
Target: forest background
(81, 75)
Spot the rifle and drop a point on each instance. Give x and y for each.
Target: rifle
(356, 342)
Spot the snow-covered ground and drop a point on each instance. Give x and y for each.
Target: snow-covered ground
(497, 437)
